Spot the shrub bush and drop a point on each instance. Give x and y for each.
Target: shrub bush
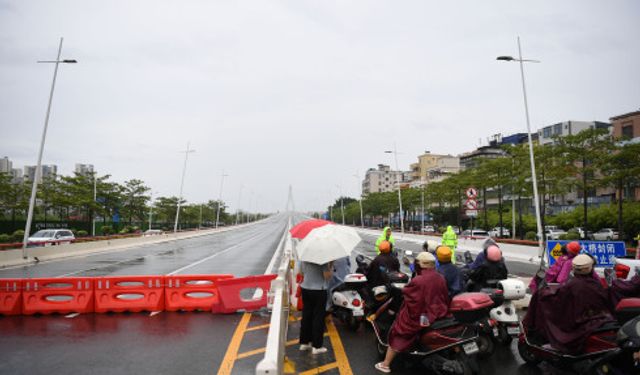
(531, 236)
(82, 233)
(6, 238)
(572, 235)
(18, 235)
(107, 230)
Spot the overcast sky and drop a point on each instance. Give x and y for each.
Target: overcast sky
(301, 93)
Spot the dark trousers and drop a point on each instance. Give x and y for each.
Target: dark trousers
(313, 312)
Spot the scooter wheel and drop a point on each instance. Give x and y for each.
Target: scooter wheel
(485, 346)
(504, 337)
(527, 355)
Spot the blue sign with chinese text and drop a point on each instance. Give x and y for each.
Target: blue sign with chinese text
(603, 251)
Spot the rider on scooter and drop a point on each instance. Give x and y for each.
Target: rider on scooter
(381, 265)
(493, 268)
(566, 315)
(426, 299)
(450, 272)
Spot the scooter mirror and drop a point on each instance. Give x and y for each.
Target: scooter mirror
(467, 257)
(360, 258)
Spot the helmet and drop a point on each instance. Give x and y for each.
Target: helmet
(380, 293)
(444, 254)
(385, 247)
(424, 258)
(582, 264)
(488, 242)
(573, 248)
(494, 254)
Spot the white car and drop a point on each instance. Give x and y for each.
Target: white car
(605, 234)
(495, 232)
(554, 234)
(428, 229)
(475, 233)
(48, 237)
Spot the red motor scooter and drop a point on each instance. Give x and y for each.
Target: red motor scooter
(599, 344)
(447, 346)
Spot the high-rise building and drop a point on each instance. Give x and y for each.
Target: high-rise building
(47, 171)
(84, 169)
(5, 165)
(382, 179)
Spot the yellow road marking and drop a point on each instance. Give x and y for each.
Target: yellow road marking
(262, 350)
(255, 328)
(232, 351)
(320, 369)
(341, 356)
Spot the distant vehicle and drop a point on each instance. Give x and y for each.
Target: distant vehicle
(428, 229)
(553, 234)
(152, 232)
(51, 236)
(456, 229)
(495, 232)
(585, 235)
(606, 234)
(475, 233)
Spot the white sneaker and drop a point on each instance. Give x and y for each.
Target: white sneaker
(320, 350)
(304, 347)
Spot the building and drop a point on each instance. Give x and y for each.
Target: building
(382, 180)
(433, 167)
(472, 159)
(84, 169)
(47, 171)
(5, 165)
(561, 129)
(16, 175)
(627, 126)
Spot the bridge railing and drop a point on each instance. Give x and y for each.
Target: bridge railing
(279, 302)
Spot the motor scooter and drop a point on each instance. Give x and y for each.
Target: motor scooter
(448, 345)
(347, 302)
(602, 349)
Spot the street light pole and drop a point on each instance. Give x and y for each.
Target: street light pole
(422, 213)
(95, 197)
(150, 209)
(38, 173)
(341, 202)
(220, 198)
(184, 170)
(357, 176)
(534, 179)
(395, 154)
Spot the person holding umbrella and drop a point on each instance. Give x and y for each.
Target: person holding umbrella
(314, 299)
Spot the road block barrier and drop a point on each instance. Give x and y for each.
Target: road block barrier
(232, 298)
(192, 292)
(129, 293)
(10, 296)
(58, 295)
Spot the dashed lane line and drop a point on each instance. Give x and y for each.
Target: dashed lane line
(321, 369)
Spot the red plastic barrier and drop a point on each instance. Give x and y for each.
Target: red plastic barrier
(129, 293)
(57, 295)
(10, 296)
(230, 290)
(192, 292)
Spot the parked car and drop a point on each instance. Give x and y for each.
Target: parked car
(475, 233)
(152, 232)
(606, 234)
(582, 233)
(553, 234)
(495, 232)
(51, 236)
(428, 229)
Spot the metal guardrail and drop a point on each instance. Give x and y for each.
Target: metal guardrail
(279, 301)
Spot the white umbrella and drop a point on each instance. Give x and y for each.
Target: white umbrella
(327, 243)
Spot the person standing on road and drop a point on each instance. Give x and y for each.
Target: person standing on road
(450, 239)
(385, 236)
(314, 300)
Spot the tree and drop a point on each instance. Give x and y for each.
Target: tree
(622, 171)
(134, 203)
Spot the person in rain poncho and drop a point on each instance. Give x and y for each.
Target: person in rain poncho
(450, 239)
(385, 236)
(565, 315)
(450, 272)
(493, 268)
(482, 256)
(382, 264)
(426, 294)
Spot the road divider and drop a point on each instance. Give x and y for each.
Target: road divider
(236, 294)
(10, 296)
(192, 292)
(56, 295)
(129, 293)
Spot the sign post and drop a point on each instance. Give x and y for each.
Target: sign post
(604, 252)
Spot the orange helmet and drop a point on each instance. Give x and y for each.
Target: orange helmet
(384, 247)
(573, 247)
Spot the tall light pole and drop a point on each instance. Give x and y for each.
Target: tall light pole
(239, 200)
(95, 198)
(395, 155)
(220, 198)
(357, 176)
(38, 173)
(422, 213)
(534, 180)
(150, 208)
(184, 170)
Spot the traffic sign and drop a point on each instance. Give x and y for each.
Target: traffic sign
(471, 204)
(471, 213)
(471, 192)
(603, 251)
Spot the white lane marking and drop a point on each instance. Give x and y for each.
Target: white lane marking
(72, 315)
(218, 253)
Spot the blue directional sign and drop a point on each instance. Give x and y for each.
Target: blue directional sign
(603, 251)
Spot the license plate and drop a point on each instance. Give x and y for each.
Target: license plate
(496, 332)
(470, 347)
(358, 312)
(513, 330)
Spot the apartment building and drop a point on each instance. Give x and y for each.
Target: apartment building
(627, 126)
(45, 172)
(546, 135)
(433, 167)
(382, 179)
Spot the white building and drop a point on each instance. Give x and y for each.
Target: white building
(5, 165)
(84, 169)
(561, 129)
(383, 179)
(46, 172)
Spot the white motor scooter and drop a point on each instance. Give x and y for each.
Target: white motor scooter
(507, 323)
(347, 303)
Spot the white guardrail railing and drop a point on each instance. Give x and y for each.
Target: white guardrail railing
(279, 302)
